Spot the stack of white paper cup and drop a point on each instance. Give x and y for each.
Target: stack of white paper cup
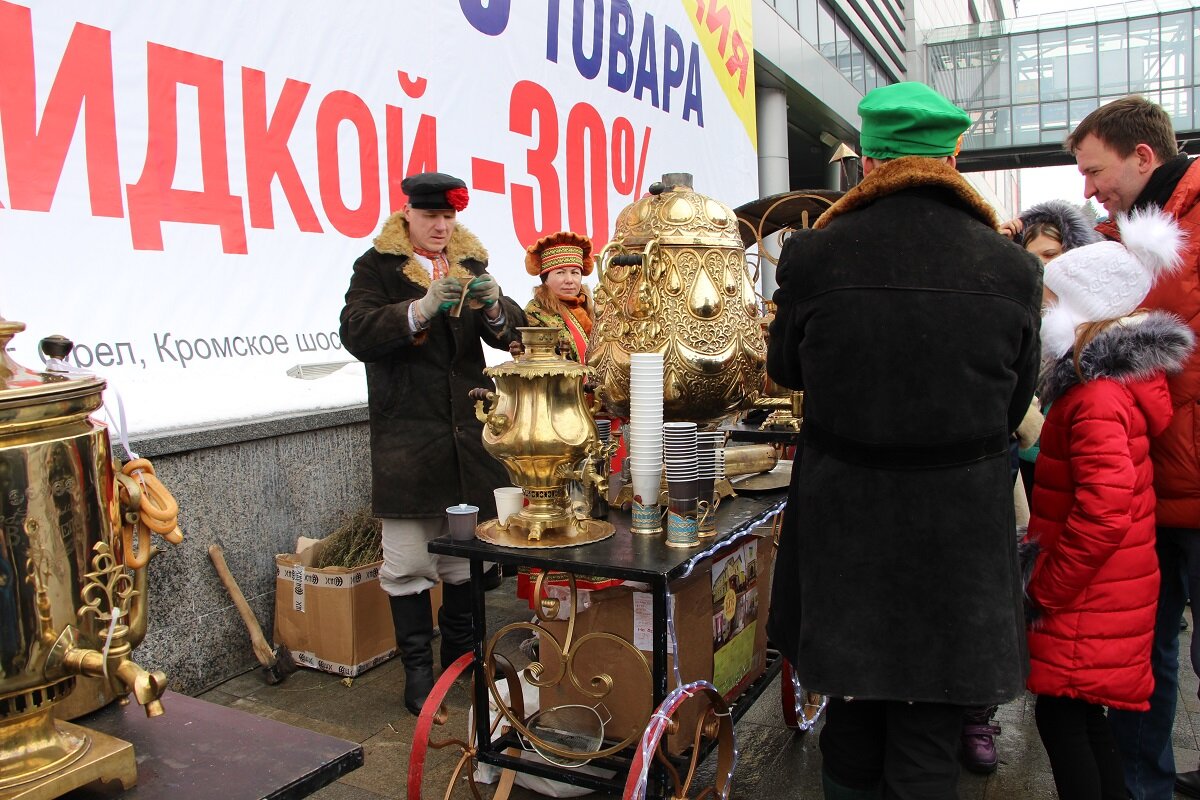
(710, 465)
(645, 425)
(710, 450)
(679, 457)
(679, 451)
(645, 437)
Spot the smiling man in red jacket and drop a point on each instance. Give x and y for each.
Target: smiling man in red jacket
(1127, 154)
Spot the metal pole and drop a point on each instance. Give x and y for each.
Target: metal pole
(774, 174)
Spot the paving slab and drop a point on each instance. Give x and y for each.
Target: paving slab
(773, 760)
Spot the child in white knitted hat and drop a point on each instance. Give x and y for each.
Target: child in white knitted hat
(1094, 583)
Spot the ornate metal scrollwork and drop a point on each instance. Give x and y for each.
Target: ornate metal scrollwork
(108, 588)
(558, 661)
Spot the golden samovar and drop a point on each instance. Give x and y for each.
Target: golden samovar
(70, 604)
(539, 426)
(673, 280)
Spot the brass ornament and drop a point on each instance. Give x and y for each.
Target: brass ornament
(538, 425)
(674, 280)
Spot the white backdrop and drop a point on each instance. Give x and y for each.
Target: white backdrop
(223, 164)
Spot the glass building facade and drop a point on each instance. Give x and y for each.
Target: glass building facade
(1031, 80)
(827, 30)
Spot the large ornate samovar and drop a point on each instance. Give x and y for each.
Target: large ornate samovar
(70, 605)
(674, 280)
(539, 426)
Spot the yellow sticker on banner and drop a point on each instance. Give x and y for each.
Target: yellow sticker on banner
(730, 604)
(725, 31)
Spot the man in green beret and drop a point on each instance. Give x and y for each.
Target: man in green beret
(912, 326)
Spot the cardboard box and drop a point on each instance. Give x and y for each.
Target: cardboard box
(731, 654)
(333, 619)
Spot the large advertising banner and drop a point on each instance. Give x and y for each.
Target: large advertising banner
(184, 187)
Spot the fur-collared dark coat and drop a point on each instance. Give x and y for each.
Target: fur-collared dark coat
(1094, 586)
(912, 326)
(426, 443)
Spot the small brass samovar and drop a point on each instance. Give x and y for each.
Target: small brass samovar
(70, 606)
(539, 426)
(674, 281)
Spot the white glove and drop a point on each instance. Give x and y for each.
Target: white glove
(443, 295)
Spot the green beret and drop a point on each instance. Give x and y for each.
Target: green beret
(910, 119)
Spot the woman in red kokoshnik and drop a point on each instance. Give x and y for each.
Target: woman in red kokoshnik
(562, 260)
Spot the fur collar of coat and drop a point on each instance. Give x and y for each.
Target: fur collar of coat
(1131, 349)
(910, 172)
(393, 239)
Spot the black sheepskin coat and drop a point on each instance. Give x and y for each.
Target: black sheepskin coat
(912, 327)
(426, 443)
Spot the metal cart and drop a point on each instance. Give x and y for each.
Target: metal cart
(640, 764)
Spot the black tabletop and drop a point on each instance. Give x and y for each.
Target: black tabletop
(199, 750)
(624, 555)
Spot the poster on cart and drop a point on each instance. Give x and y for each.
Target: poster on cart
(184, 187)
(735, 615)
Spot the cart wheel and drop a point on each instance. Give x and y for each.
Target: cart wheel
(716, 723)
(434, 713)
(801, 709)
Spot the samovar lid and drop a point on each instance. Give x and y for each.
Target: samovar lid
(676, 214)
(31, 399)
(540, 359)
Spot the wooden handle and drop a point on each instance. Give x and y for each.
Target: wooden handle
(262, 650)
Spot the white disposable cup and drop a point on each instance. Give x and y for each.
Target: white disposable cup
(647, 487)
(509, 500)
(645, 469)
(640, 430)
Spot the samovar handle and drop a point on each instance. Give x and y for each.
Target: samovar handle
(496, 423)
(604, 254)
(481, 396)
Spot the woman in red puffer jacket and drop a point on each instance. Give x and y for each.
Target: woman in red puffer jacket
(1094, 583)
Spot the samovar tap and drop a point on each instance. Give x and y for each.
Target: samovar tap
(128, 676)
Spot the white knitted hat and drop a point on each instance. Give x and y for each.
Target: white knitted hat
(1108, 280)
